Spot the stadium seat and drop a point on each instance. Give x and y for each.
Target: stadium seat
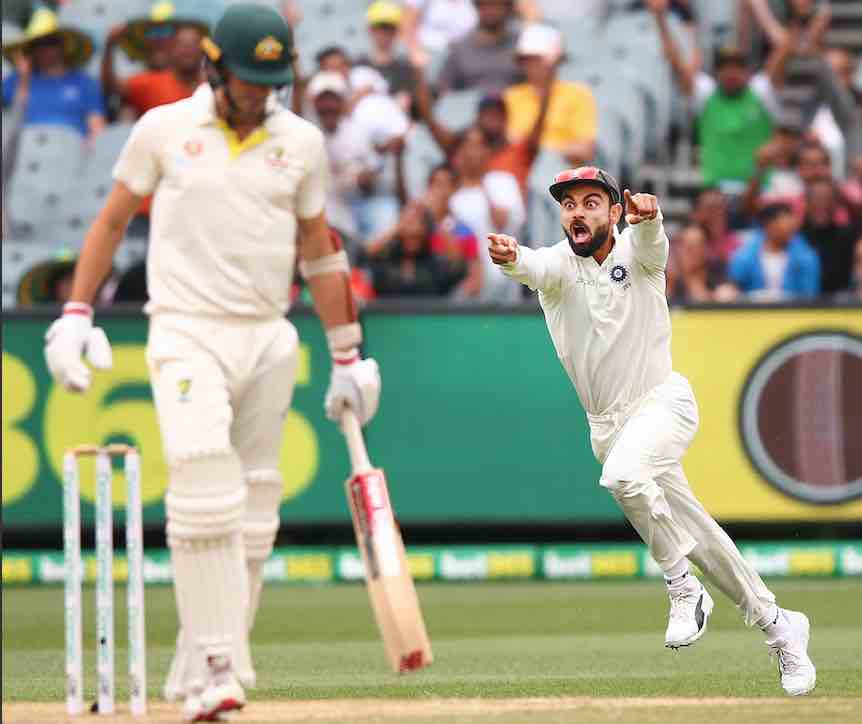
(210, 10)
(327, 22)
(50, 162)
(107, 146)
(622, 112)
(656, 87)
(11, 33)
(97, 17)
(717, 24)
(610, 143)
(650, 74)
(274, 4)
(543, 223)
(583, 39)
(639, 28)
(421, 154)
(19, 256)
(458, 109)
(620, 98)
(96, 181)
(435, 65)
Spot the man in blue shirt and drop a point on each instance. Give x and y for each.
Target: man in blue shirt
(776, 262)
(47, 80)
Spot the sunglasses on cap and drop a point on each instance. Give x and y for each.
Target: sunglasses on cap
(585, 173)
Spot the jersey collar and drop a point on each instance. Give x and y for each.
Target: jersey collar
(204, 114)
(203, 106)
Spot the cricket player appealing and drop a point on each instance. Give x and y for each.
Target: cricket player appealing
(603, 296)
(235, 178)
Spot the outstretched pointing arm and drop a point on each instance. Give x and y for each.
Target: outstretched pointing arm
(649, 241)
(536, 268)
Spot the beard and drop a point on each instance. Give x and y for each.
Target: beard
(599, 237)
(245, 113)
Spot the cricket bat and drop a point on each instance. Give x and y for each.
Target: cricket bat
(390, 586)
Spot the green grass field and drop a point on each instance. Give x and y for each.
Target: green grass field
(508, 641)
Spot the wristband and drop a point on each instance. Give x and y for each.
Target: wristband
(335, 262)
(81, 308)
(344, 337)
(346, 356)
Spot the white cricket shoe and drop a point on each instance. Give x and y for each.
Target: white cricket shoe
(223, 693)
(690, 607)
(192, 707)
(175, 683)
(795, 668)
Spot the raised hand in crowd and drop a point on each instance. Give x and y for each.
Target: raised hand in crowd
(657, 7)
(24, 68)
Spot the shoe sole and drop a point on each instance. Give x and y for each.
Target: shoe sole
(225, 706)
(806, 636)
(708, 605)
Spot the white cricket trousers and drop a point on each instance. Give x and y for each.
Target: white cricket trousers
(222, 389)
(222, 383)
(640, 449)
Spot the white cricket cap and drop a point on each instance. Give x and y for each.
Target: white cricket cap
(327, 82)
(540, 40)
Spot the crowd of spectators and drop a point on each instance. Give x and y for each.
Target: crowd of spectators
(777, 214)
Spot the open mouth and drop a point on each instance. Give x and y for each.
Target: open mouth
(580, 233)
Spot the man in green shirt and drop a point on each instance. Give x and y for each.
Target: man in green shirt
(735, 109)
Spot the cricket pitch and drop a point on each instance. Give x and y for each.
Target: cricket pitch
(497, 711)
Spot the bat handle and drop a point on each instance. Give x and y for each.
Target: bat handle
(355, 442)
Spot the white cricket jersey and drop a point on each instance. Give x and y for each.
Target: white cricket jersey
(224, 214)
(609, 323)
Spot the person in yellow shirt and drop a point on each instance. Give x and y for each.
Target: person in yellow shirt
(572, 121)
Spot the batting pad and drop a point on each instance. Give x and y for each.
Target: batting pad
(205, 505)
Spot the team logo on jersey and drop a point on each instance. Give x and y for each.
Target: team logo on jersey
(276, 157)
(619, 274)
(193, 148)
(268, 49)
(184, 385)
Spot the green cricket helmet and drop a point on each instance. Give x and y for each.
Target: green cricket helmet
(254, 43)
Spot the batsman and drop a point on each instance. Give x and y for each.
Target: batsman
(239, 186)
(603, 296)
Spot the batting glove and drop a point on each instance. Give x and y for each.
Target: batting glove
(69, 340)
(355, 383)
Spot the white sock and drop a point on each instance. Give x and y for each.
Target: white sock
(677, 573)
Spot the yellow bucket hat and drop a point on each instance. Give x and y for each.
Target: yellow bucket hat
(163, 14)
(77, 45)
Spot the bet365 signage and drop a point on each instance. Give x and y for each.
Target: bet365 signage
(41, 420)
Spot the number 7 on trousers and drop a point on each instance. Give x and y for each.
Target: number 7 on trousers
(390, 586)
